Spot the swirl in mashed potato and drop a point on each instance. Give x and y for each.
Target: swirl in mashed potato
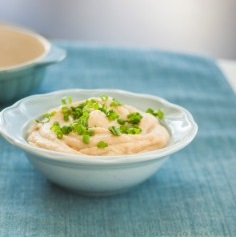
(98, 126)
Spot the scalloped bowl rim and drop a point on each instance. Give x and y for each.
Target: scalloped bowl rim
(53, 156)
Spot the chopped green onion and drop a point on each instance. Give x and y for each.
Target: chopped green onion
(86, 138)
(130, 129)
(57, 130)
(80, 115)
(112, 115)
(134, 130)
(66, 100)
(66, 111)
(52, 113)
(150, 111)
(92, 104)
(76, 112)
(104, 97)
(78, 128)
(104, 109)
(115, 130)
(121, 121)
(81, 105)
(59, 134)
(134, 118)
(46, 117)
(90, 132)
(115, 103)
(159, 113)
(102, 144)
(84, 119)
(66, 129)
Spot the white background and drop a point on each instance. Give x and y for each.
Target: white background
(199, 26)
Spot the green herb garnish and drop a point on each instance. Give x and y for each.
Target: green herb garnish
(115, 130)
(84, 119)
(66, 100)
(159, 114)
(86, 138)
(66, 111)
(45, 118)
(66, 129)
(121, 121)
(112, 115)
(79, 116)
(102, 144)
(57, 130)
(104, 97)
(76, 112)
(115, 103)
(104, 109)
(134, 118)
(92, 104)
(134, 129)
(78, 128)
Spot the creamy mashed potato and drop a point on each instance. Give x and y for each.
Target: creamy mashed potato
(98, 126)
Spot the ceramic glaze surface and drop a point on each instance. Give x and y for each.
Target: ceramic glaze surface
(21, 74)
(97, 175)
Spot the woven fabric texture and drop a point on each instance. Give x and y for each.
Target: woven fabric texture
(193, 194)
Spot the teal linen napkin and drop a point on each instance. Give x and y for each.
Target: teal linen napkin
(193, 194)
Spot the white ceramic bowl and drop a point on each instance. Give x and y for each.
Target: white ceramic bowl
(96, 175)
(21, 75)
